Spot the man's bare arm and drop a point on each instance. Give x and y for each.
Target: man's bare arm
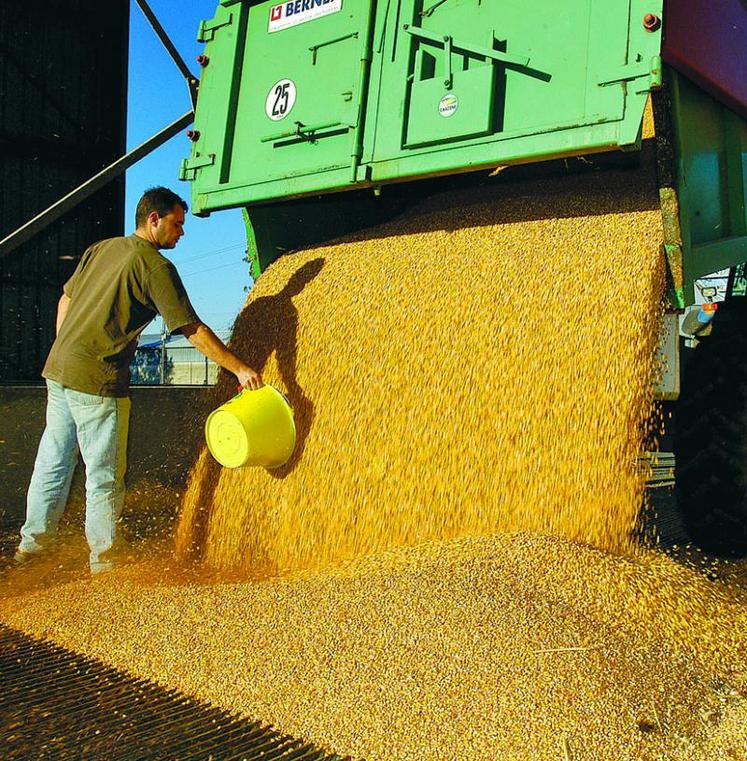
(205, 341)
(62, 306)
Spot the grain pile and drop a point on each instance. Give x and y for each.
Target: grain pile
(481, 364)
(509, 648)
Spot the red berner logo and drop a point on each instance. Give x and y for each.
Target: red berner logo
(276, 13)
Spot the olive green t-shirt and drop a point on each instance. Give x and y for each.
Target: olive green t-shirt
(117, 288)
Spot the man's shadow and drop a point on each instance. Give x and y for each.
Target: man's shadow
(268, 324)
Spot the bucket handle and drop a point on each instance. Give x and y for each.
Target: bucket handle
(240, 390)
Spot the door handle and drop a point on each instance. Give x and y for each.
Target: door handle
(315, 48)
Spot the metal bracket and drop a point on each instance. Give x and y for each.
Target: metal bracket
(448, 45)
(192, 81)
(429, 11)
(206, 31)
(315, 48)
(189, 167)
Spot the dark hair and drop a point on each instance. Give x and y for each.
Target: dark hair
(161, 200)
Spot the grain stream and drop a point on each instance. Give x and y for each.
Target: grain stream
(482, 363)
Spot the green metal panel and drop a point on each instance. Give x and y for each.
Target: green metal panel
(279, 109)
(314, 96)
(711, 144)
(469, 115)
(218, 94)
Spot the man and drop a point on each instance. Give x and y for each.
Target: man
(117, 288)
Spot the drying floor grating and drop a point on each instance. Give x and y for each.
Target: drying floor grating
(59, 705)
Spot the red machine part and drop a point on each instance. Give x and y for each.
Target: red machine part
(706, 40)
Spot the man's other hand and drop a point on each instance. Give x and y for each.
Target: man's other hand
(248, 378)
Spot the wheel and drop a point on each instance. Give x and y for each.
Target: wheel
(711, 435)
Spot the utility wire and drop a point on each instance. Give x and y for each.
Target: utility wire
(209, 269)
(178, 260)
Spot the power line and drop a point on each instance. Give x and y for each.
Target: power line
(211, 253)
(209, 269)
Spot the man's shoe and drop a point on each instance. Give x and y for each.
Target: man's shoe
(22, 556)
(103, 566)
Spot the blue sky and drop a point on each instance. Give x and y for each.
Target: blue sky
(209, 256)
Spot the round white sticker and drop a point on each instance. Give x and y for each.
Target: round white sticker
(448, 105)
(280, 100)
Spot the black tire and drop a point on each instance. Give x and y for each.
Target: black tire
(711, 436)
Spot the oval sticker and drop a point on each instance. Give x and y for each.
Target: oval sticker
(448, 105)
(280, 99)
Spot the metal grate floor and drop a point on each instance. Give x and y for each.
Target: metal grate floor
(56, 704)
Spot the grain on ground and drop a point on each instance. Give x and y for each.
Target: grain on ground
(484, 648)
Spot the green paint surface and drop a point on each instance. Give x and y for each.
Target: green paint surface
(388, 90)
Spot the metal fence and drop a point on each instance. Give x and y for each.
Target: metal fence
(172, 365)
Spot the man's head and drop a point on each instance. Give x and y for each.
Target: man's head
(159, 217)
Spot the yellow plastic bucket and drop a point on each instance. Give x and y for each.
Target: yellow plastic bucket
(254, 428)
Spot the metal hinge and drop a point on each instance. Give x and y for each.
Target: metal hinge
(651, 69)
(207, 28)
(189, 167)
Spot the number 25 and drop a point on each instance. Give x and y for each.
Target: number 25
(281, 100)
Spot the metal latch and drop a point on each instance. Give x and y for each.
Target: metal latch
(305, 131)
(189, 167)
(521, 61)
(207, 28)
(449, 44)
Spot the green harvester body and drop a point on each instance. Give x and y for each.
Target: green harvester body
(305, 106)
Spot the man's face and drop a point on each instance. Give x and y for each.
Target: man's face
(170, 228)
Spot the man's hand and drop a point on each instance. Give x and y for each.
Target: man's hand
(248, 378)
(62, 306)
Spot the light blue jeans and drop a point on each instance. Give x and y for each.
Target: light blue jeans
(97, 427)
